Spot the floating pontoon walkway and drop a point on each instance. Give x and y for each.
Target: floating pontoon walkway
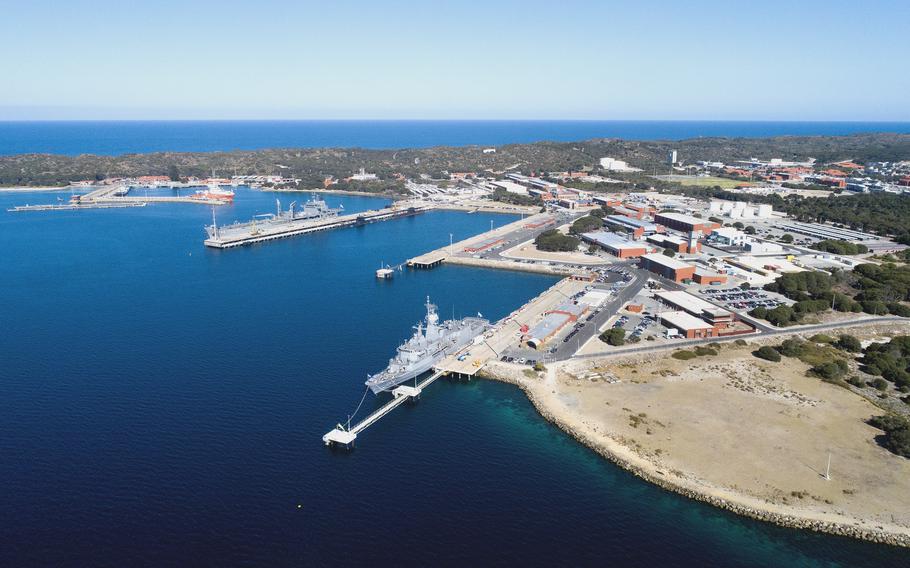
(342, 436)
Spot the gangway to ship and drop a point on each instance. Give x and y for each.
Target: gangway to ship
(345, 435)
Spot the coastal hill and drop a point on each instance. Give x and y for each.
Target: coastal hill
(313, 165)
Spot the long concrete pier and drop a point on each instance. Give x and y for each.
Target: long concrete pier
(242, 234)
(76, 206)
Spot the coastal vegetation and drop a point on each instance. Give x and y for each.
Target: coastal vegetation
(313, 165)
(880, 213)
(897, 433)
(871, 288)
(840, 247)
(890, 360)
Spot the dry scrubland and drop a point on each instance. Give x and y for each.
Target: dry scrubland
(746, 434)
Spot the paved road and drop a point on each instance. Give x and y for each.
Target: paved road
(565, 350)
(773, 331)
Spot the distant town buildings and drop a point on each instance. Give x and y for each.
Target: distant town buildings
(614, 165)
(362, 175)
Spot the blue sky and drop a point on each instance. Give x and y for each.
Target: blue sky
(568, 59)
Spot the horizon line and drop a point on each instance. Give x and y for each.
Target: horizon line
(681, 120)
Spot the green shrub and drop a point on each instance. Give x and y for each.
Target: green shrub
(704, 350)
(889, 360)
(821, 338)
(615, 336)
(879, 384)
(897, 433)
(793, 347)
(875, 308)
(840, 247)
(760, 312)
(586, 224)
(896, 309)
(767, 353)
(848, 343)
(831, 370)
(683, 355)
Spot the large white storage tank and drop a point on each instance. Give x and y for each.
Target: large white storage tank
(714, 207)
(765, 210)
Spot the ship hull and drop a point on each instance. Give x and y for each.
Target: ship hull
(386, 380)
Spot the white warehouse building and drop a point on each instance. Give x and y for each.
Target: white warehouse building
(729, 236)
(614, 165)
(740, 209)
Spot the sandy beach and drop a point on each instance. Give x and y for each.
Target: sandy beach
(744, 434)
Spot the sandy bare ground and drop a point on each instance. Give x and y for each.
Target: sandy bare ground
(528, 251)
(742, 433)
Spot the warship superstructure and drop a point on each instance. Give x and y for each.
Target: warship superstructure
(431, 342)
(315, 209)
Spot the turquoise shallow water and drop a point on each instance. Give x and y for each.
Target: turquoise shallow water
(162, 404)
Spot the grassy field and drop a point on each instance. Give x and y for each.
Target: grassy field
(709, 181)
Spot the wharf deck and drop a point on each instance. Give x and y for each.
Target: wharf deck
(75, 206)
(473, 358)
(250, 233)
(450, 252)
(110, 194)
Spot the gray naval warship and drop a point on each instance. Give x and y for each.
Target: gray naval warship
(432, 341)
(315, 209)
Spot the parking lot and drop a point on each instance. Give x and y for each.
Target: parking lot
(743, 300)
(616, 280)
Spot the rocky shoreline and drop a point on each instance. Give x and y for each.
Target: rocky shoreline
(877, 535)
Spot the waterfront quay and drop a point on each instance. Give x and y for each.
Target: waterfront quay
(120, 195)
(241, 234)
(468, 361)
(113, 197)
(487, 249)
(75, 206)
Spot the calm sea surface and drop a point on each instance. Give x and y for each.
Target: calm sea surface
(117, 137)
(162, 404)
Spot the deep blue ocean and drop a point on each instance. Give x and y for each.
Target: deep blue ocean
(162, 404)
(124, 137)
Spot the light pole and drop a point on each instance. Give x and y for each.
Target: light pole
(450, 243)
